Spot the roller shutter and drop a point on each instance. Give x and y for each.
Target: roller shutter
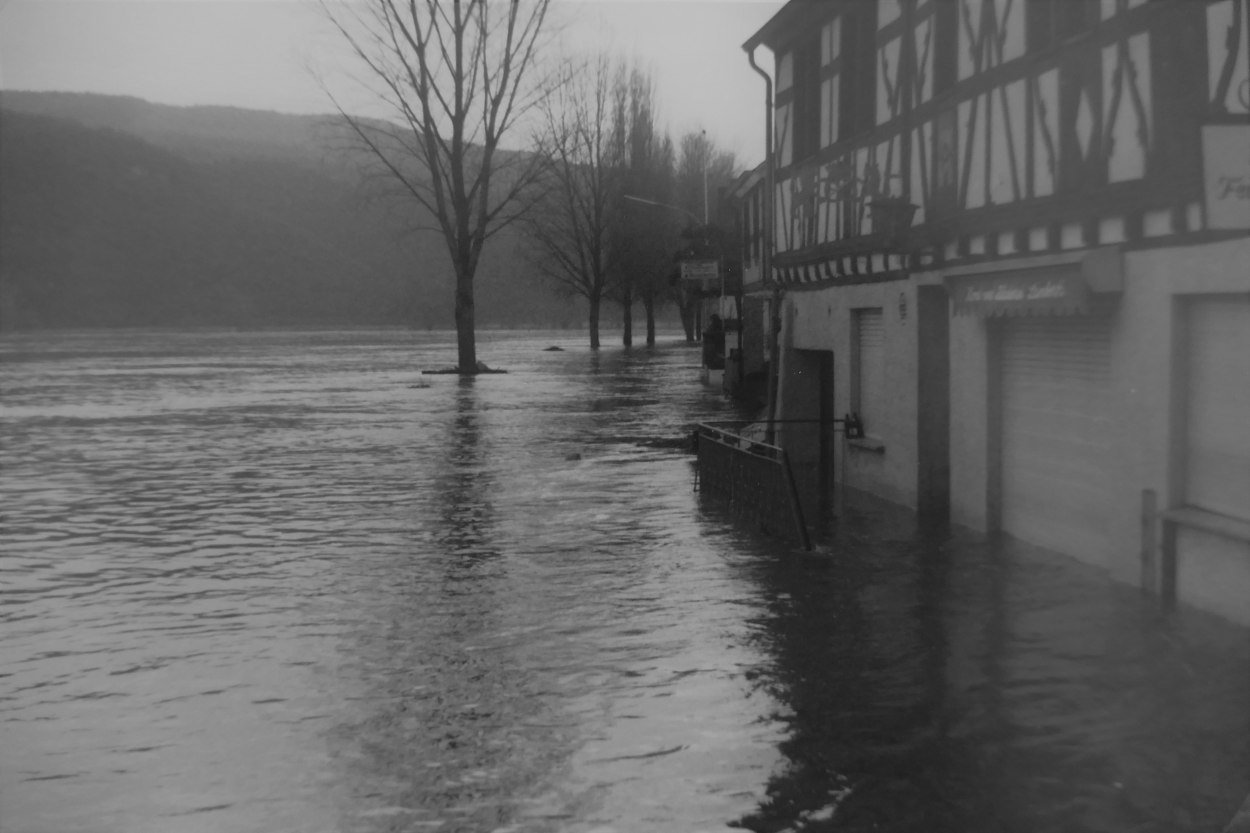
(870, 370)
(1217, 458)
(1056, 432)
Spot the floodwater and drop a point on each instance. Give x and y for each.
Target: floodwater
(285, 582)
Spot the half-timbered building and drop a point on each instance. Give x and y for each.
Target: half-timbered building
(1012, 236)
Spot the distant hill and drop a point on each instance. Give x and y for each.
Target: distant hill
(118, 212)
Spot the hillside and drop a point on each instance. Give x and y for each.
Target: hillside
(118, 212)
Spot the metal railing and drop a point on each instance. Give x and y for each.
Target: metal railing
(754, 476)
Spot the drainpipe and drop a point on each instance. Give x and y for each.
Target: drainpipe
(766, 256)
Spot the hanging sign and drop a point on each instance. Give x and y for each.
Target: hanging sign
(1226, 174)
(703, 273)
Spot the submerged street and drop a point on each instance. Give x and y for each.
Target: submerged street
(283, 581)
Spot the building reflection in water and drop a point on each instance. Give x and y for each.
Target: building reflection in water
(933, 683)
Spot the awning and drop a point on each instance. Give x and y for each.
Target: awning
(1060, 284)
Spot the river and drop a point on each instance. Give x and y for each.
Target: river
(283, 581)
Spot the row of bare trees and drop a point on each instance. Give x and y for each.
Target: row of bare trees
(603, 194)
(603, 149)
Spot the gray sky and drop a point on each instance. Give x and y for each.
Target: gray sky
(257, 54)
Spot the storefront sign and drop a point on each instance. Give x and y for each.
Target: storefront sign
(1226, 165)
(1021, 293)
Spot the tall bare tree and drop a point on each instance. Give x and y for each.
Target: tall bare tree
(650, 235)
(454, 77)
(570, 233)
(645, 158)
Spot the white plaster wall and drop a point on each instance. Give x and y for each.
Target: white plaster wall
(821, 320)
(1213, 574)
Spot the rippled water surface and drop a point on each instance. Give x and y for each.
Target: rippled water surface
(283, 581)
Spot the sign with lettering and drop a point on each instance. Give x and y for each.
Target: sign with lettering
(1226, 167)
(700, 271)
(1021, 293)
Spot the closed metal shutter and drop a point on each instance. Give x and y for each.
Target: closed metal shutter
(1217, 452)
(1056, 432)
(870, 366)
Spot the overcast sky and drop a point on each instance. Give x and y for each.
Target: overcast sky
(257, 54)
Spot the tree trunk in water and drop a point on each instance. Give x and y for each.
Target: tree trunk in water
(594, 322)
(686, 308)
(466, 343)
(627, 323)
(648, 304)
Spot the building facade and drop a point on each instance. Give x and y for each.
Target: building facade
(1013, 237)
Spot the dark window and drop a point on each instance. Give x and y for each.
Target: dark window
(857, 99)
(807, 98)
(1050, 22)
(945, 45)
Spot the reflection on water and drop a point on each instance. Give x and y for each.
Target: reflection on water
(282, 581)
(931, 682)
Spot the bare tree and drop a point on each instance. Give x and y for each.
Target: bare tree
(649, 235)
(646, 165)
(570, 234)
(455, 77)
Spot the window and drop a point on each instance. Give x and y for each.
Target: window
(858, 70)
(830, 52)
(868, 371)
(945, 45)
(1049, 22)
(827, 82)
(807, 98)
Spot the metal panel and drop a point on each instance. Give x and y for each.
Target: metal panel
(1056, 433)
(1217, 447)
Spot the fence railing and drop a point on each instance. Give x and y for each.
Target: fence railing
(754, 476)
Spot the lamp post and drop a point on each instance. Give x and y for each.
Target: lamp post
(705, 150)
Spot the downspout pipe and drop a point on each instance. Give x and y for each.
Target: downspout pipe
(766, 256)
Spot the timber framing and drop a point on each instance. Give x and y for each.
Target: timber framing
(1095, 139)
